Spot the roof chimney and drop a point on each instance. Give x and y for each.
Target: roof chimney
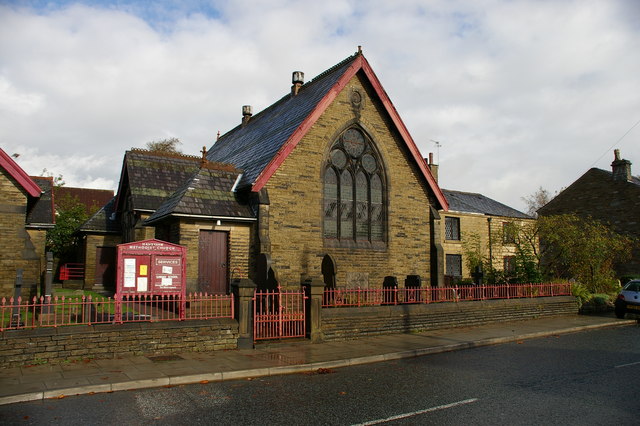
(297, 79)
(621, 168)
(432, 167)
(247, 112)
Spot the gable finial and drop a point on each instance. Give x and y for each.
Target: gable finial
(218, 136)
(203, 160)
(359, 50)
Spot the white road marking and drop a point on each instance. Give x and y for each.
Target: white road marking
(417, 413)
(627, 365)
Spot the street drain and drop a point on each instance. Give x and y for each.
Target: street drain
(162, 358)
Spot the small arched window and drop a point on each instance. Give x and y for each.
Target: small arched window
(354, 207)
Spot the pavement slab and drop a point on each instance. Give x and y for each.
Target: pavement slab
(36, 382)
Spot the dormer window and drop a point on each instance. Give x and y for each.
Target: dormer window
(354, 192)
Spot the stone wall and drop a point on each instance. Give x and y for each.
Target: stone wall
(54, 345)
(346, 323)
(17, 250)
(296, 210)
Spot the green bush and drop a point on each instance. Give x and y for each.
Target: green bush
(600, 299)
(581, 293)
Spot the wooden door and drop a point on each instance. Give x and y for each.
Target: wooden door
(106, 267)
(213, 261)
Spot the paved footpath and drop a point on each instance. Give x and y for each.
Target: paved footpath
(106, 375)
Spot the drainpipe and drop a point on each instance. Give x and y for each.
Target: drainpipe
(490, 246)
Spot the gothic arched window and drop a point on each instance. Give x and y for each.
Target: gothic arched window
(354, 191)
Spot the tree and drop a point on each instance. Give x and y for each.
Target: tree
(57, 180)
(523, 235)
(536, 200)
(583, 249)
(527, 252)
(62, 240)
(165, 145)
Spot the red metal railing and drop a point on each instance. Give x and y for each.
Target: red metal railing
(72, 271)
(85, 310)
(378, 296)
(278, 314)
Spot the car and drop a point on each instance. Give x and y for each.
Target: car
(628, 299)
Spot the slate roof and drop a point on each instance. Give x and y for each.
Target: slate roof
(599, 175)
(469, 202)
(173, 184)
(103, 221)
(253, 146)
(208, 193)
(40, 210)
(152, 177)
(262, 144)
(634, 180)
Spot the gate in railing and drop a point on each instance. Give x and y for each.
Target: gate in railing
(278, 314)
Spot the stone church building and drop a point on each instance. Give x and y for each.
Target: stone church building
(325, 183)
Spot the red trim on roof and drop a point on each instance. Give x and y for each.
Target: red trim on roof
(359, 63)
(304, 127)
(23, 179)
(406, 136)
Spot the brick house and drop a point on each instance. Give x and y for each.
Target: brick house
(26, 212)
(612, 197)
(475, 214)
(470, 215)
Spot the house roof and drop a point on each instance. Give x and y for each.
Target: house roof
(169, 184)
(573, 190)
(152, 177)
(260, 146)
(16, 172)
(469, 202)
(90, 198)
(40, 211)
(103, 221)
(634, 180)
(207, 194)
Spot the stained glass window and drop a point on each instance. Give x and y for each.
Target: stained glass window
(354, 191)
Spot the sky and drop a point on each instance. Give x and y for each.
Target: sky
(510, 96)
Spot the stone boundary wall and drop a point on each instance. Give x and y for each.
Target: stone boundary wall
(346, 323)
(55, 345)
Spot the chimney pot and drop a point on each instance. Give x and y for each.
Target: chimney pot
(247, 112)
(297, 79)
(620, 168)
(432, 167)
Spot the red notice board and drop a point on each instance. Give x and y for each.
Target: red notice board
(151, 267)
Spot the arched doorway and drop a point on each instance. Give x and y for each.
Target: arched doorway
(329, 271)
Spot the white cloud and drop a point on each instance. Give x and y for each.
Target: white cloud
(521, 93)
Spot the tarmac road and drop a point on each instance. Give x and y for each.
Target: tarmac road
(582, 378)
